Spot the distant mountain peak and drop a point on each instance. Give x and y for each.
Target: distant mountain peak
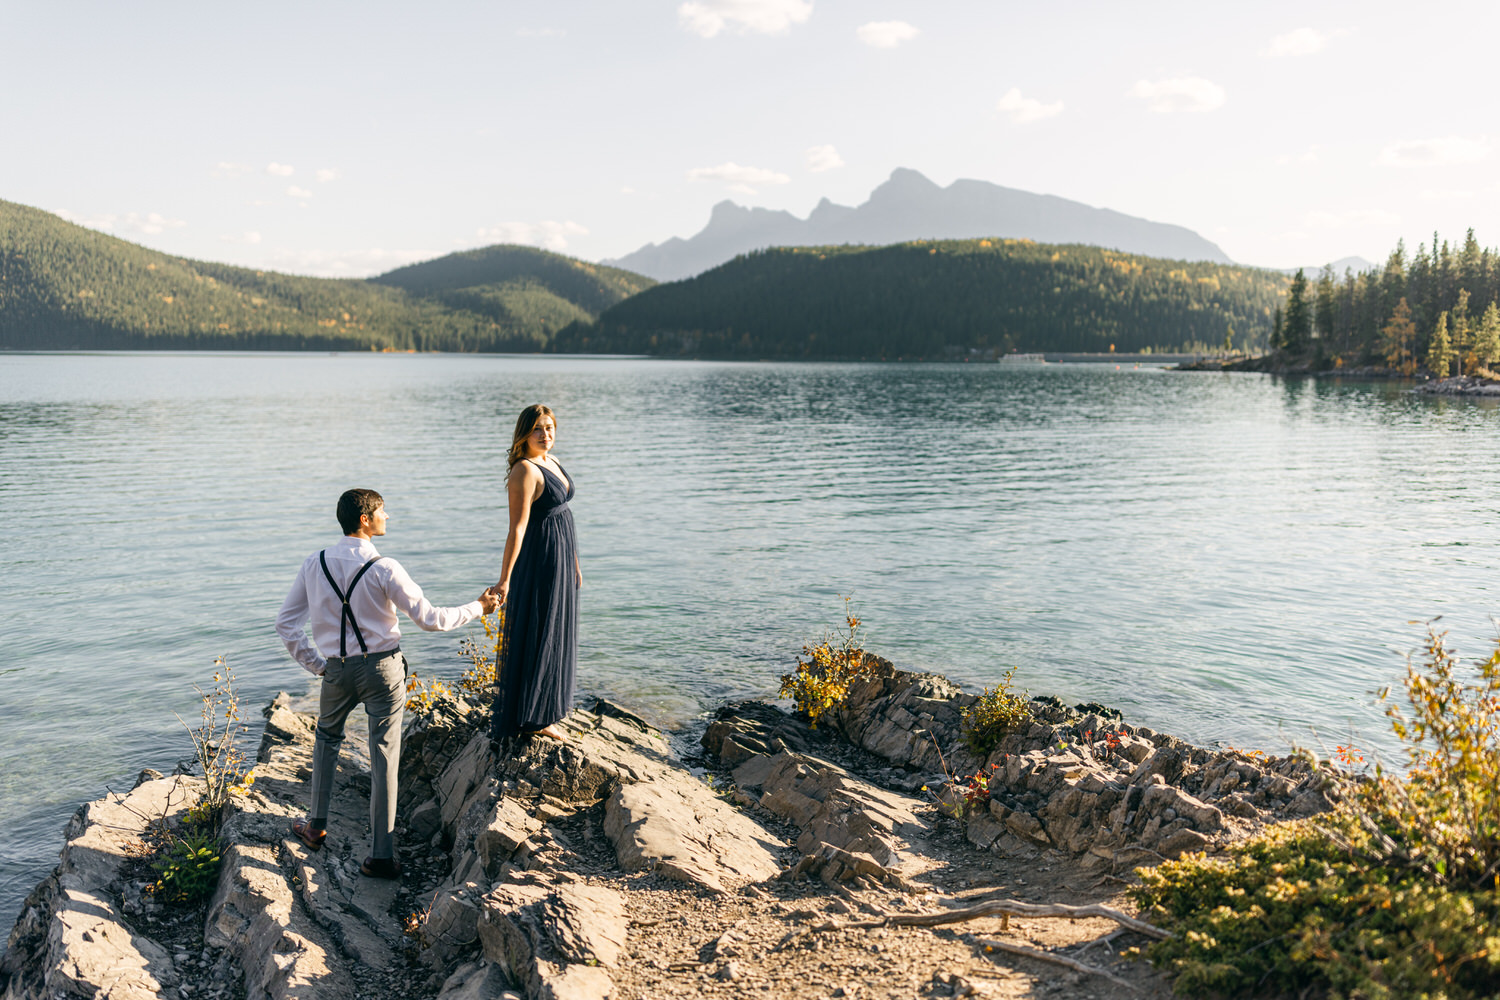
(727, 209)
(904, 180)
(906, 206)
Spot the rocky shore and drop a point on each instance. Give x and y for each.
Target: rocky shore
(767, 859)
(1461, 385)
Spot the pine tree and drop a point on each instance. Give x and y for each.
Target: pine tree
(1296, 328)
(1459, 331)
(1323, 302)
(1397, 336)
(1439, 349)
(1487, 339)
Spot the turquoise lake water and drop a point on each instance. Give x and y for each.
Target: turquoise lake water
(1233, 558)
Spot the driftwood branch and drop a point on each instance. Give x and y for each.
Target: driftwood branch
(1046, 956)
(1004, 908)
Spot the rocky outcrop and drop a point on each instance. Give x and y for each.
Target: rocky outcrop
(1080, 781)
(528, 869)
(1461, 385)
(73, 938)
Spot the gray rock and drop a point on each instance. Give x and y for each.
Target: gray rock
(424, 821)
(478, 981)
(506, 828)
(516, 932)
(676, 825)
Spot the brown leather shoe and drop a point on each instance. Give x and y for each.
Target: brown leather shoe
(304, 832)
(381, 868)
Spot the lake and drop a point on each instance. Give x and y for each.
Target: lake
(1233, 558)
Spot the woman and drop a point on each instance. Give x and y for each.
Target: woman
(539, 581)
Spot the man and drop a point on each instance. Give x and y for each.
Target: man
(352, 594)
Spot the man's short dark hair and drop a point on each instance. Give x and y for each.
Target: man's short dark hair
(354, 503)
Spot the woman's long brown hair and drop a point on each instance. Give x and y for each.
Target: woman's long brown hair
(525, 424)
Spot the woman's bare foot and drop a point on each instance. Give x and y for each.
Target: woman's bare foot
(553, 733)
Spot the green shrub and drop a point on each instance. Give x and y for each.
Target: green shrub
(189, 870)
(1394, 894)
(821, 682)
(1444, 819)
(1293, 908)
(997, 712)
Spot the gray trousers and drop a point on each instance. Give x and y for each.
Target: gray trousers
(377, 681)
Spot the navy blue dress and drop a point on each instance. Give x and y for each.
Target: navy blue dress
(535, 688)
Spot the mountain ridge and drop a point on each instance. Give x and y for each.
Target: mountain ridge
(909, 206)
(67, 287)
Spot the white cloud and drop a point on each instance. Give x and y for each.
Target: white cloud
(548, 235)
(1026, 109)
(821, 158)
(886, 34)
(231, 170)
(1351, 217)
(540, 32)
(326, 174)
(763, 17)
(279, 169)
(250, 236)
(1432, 195)
(1302, 42)
(1309, 155)
(740, 179)
(1181, 93)
(295, 192)
(345, 263)
(144, 224)
(1446, 151)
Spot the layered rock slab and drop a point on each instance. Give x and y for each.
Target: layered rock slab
(71, 939)
(1080, 781)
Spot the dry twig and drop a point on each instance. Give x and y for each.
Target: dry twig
(1047, 956)
(1004, 908)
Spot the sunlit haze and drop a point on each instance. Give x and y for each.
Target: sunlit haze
(347, 139)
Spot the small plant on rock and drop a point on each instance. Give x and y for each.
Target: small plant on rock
(485, 657)
(422, 695)
(216, 741)
(822, 681)
(998, 712)
(188, 871)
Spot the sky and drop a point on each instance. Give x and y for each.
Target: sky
(345, 139)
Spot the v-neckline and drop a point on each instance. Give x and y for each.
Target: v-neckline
(566, 480)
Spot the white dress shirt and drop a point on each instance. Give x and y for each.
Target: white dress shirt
(384, 589)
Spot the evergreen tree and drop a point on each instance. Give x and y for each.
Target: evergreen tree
(1487, 339)
(1460, 336)
(1324, 312)
(1397, 337)
(1439, 349)
(1296, 328)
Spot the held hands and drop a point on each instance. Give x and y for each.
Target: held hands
(488, 601)
(499, 592)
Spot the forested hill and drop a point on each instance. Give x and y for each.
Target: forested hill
(66, 287)
(516, 282)
(929, 299)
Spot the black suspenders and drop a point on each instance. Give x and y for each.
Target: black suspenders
(344, 595)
